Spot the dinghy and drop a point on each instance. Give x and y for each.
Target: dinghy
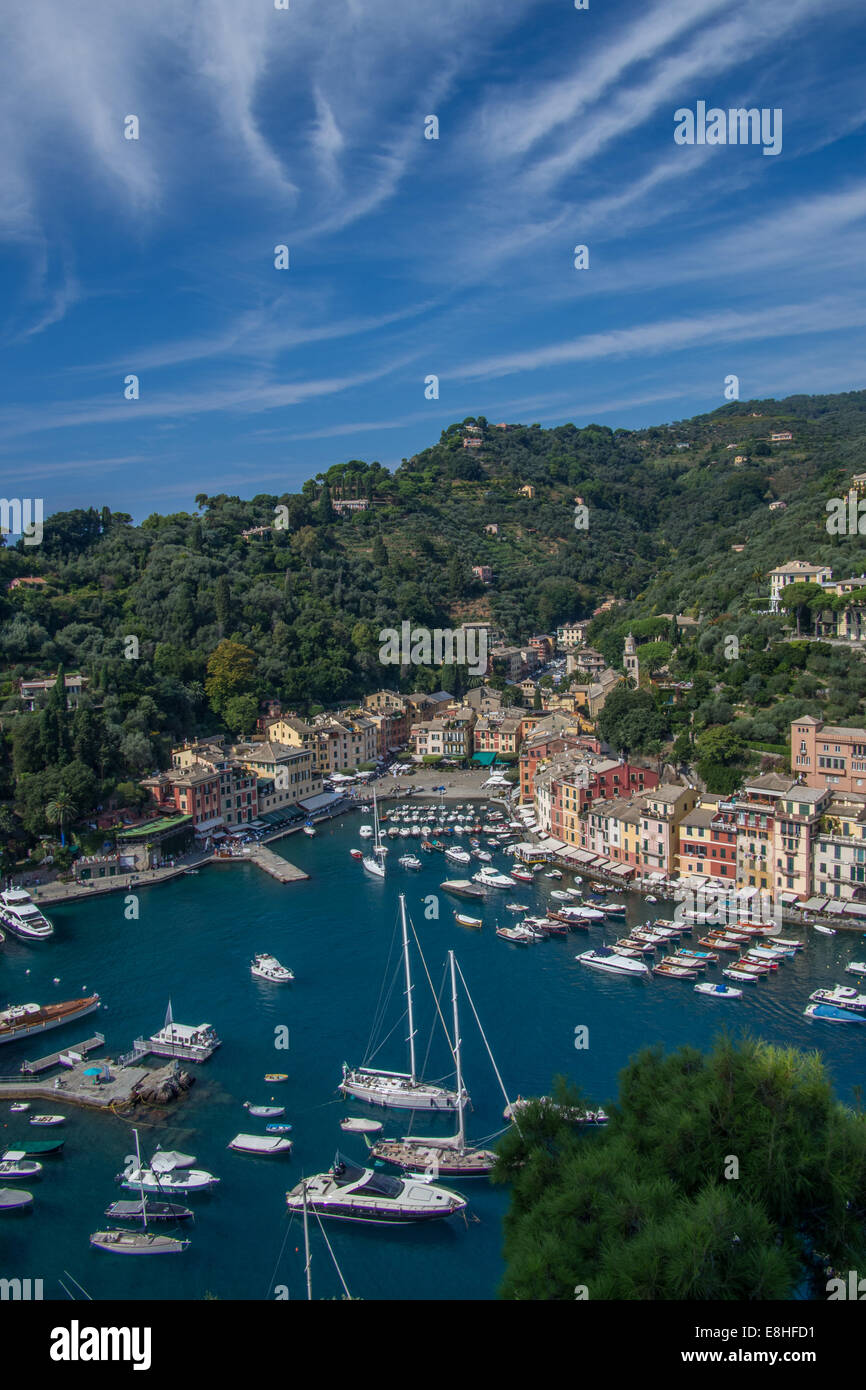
(265, 1112)
(718, 991)
(353, 1126)
(10, 1200)
(261, 1144)
(462, 920)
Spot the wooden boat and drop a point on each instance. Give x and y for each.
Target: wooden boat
(675, 972)
(464, 921)
(736, 972)
(714, 944)
(25, 1020)
(629, 947)
(518, 936)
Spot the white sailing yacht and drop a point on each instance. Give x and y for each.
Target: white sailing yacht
(402, 1090)
(448, 1156)
(143, 1242)
(375, 863)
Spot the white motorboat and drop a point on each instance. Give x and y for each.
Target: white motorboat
(143, 1242)
(824, 931)
(13, 1168)
(458, 855)
(409, 861)
(265, 1112)
(718, 991)
(604, 958)
(842, 995)
(490, 878)
(402, 1090)
(18, 1107)
(366, 832)
(829, 1013)
(560, 896)
(351, 1193)
(309, 830)
(267, 967)
(188, 1180)
(579, 914)
(262, 1144)
(46, 1121)
(553, 873)
(20, 915)
(856, 967)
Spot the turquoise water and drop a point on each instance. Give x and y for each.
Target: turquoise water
(193, 941)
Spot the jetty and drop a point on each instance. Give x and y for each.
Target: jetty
(75, 1087)
(53, 1058)
(273, 864)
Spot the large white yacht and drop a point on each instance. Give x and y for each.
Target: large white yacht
(351, 1193)
(20, 915)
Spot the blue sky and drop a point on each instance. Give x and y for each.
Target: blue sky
(408, 256)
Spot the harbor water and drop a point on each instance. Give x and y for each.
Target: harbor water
(193, 941)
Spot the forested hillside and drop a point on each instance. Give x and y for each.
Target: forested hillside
(302, 603)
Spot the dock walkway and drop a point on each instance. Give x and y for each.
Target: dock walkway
(53, 1058)
(273, 864)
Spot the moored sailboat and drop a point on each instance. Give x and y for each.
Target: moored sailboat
(448, 1157)
(402, 1090)
(143, 1242)
(374, 863)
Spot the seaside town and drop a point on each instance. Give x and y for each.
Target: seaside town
(795, 832)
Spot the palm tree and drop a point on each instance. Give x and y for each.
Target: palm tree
(60, 811)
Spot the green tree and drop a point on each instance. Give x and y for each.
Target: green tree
(230, 671)
(60, 811)
(648, 1211)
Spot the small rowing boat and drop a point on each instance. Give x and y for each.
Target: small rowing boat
(463, 921)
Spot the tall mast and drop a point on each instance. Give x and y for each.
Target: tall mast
(461, 1129)
(408, 987)
(141, 1181)
(307, 1243)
